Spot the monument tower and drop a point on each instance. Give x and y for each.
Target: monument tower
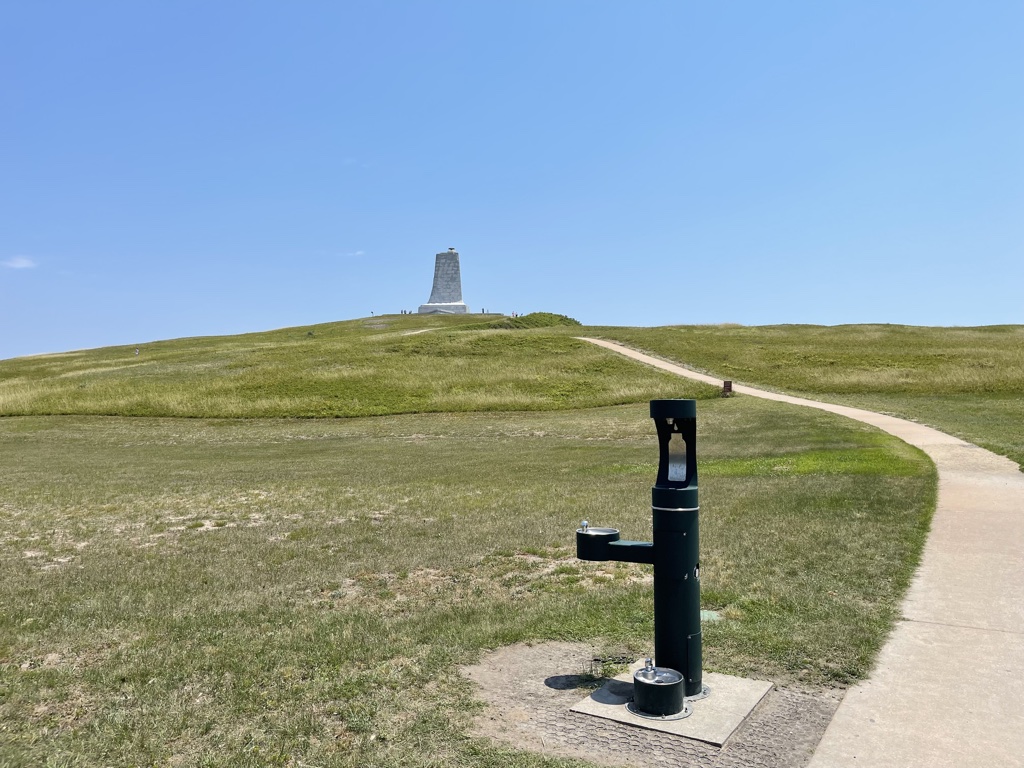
(446, 295)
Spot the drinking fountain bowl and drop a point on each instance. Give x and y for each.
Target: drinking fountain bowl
(592, 543)
(658, 692)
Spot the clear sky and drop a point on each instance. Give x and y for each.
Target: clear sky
(180, 168)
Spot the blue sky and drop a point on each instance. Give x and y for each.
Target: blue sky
(174, 169)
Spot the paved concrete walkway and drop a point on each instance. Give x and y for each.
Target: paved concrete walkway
(948, 687)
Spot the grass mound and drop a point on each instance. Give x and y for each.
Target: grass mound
(526, 322)
(536, 320)
(369, 367)
(965, 381)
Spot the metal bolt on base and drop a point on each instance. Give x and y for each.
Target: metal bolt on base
(704, 693)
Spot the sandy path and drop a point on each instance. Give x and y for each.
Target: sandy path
(948, 687)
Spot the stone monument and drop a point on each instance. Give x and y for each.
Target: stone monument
(446, 295)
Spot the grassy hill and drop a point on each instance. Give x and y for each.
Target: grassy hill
(369, 367)
(965, 381)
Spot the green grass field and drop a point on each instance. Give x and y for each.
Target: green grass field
(195, 570)
(285, 592)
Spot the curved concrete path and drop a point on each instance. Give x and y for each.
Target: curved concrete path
(948, 686)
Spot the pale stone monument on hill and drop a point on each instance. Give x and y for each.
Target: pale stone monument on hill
(446, 295)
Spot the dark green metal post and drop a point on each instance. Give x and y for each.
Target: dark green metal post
(675, 551)
(675, 509)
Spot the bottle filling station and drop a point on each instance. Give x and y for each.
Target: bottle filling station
(669, 681)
